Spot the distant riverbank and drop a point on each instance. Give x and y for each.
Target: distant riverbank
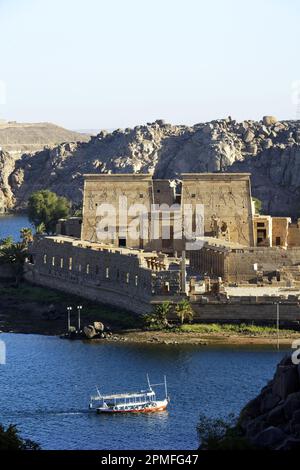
(36, 310)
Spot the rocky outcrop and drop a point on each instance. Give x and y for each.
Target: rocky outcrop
(269, 149)
(7, 163)
(272, 419)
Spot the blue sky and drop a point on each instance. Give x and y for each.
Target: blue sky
(118, 63)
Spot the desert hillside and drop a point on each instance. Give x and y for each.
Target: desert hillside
(18, 138)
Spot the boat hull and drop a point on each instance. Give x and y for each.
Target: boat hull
(160, 406)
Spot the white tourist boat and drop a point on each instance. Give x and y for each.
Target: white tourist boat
(144, 401)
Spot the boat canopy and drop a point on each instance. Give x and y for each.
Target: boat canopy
(120, 396)
(148, 394)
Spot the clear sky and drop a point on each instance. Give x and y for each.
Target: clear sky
(119, 63)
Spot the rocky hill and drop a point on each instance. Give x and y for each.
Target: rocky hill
(269, 149)
(272, 420)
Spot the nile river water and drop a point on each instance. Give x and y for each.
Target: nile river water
(46, 383)
(12, 224)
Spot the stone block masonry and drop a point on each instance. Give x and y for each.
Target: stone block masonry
(124, 278)
(227, 204)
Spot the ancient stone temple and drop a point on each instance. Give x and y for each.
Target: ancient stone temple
(226, 201)
(236, 245)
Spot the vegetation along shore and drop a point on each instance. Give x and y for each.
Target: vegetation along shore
(37, 310)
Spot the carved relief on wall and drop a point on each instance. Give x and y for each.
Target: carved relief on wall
(240, 228)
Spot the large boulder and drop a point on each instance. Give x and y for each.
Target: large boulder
(292, 404)
(269, 120)
(249, 136)
(99, 327)
(286, 381)
(89, 331)
(272, 419)
(269, 437)
(276, 416)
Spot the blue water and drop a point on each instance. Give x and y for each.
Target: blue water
(46, 384)
(10, 225)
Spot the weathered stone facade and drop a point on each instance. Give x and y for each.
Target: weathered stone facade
(227, 204)
(121, 277)
(242, 264)
(226, 199)
(108, 189)
(271, 231)
(69, 227)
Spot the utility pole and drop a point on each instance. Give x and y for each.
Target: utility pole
(69, 318)
(183, 272)
(79, 308)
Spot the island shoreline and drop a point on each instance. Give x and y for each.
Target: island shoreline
(30, 309)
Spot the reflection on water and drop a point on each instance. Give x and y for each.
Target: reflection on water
(46, 386)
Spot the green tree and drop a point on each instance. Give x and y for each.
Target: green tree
(76, 210)
(11, 440)
(221, 434)
(47, 207)
(184, 311)
(257, 205)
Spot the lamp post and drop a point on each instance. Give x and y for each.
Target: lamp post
(69, 318)
(79, 308)
(277, 324)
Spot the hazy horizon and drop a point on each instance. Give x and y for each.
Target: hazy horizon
(106, 65)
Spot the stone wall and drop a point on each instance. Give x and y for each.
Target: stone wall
(294, 234)
(227, 204)
(238, 265)
(280, 228)
(69, 227)
(244, 310)
(124, 278)
(107, 189)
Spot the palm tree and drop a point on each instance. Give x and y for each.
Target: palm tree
(26, 236)
(8, 241)
(14, 255)
(40, 228)
(161, 313)
(159, 318)
(184, 311)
